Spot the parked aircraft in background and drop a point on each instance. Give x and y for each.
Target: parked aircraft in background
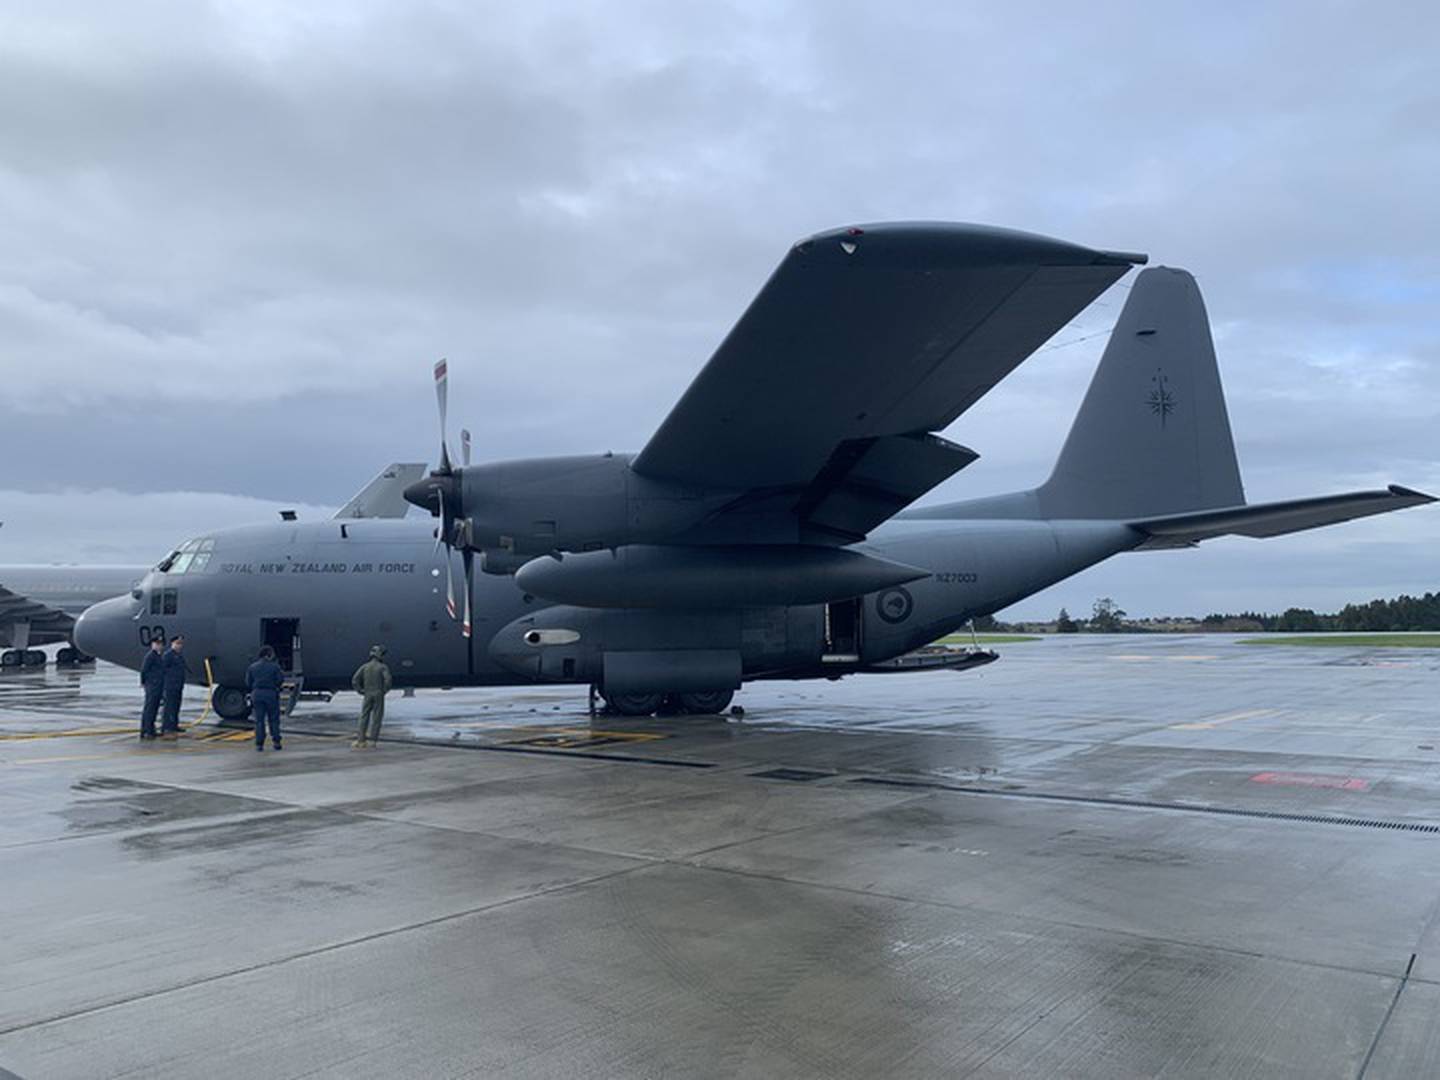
(39, 604)
(759, 533)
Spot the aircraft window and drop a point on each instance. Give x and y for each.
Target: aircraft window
(155, 601)
(206, 545)
(167, 562)
(202, 559)
(182, 562)
(171, 597)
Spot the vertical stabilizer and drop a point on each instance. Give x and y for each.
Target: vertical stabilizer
(1152, 436)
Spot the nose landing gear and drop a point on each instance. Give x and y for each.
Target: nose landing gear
(229, 702)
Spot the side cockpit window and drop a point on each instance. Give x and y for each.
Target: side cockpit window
(164, 601)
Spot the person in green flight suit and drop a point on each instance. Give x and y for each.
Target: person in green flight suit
(371, 681)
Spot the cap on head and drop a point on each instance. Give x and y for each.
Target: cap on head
(377, 652)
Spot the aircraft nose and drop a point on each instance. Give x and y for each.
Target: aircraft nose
(104, 630)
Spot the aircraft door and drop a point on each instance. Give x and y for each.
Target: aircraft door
(842, 631)
(283, 635)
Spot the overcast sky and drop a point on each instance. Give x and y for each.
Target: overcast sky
(234, 237)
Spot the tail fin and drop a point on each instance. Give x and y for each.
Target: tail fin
(384, 496)
(1152, 436)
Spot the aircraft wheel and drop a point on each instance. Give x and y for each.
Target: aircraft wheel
(34, 658)
(83, 658)
(10, 658)
(634, 704)
(707, 702)
(229, 702)
(66, 655)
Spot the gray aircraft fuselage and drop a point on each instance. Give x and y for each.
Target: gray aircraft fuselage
(383, 582)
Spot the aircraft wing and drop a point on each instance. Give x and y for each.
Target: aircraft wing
(1274, 519)
(384, 496)
(862, 342)
(45, 624)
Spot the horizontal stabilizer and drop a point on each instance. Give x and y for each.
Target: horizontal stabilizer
(384, 496)
(1274, 519)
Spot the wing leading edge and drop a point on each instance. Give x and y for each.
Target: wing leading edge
(863, 335)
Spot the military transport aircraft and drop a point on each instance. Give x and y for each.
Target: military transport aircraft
(39, 604)
(759, 533)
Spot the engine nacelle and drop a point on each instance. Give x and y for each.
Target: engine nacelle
(581, 503)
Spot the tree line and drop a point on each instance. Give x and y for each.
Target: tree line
(1402, 613)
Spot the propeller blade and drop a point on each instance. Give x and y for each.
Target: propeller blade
(449, 586)
(469, 559)
(464, 446)
(442, 382)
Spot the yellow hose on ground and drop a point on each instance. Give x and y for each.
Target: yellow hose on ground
(210, 692)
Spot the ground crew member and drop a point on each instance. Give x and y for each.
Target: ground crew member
(263, 679)
(372, 681)
(152, 678)
(172, 668)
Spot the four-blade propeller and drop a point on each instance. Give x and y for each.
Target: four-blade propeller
(441, 491)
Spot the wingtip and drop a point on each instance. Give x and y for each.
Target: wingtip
(1410, 493)
(1131, 258)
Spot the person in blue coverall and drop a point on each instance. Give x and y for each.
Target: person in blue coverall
(172, 669)
(263, 679)
(152, 678)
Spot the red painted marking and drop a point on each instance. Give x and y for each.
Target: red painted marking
(1302, 779)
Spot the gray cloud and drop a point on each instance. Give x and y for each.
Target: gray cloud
(236, 235)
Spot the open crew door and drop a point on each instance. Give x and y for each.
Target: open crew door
(842, 632)
(283, 635)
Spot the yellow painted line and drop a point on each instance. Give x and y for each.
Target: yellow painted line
(1219, 721)
(65, 757)
(69, 734)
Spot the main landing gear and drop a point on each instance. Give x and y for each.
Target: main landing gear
(18, 658)
(700, 702)
(69, 656)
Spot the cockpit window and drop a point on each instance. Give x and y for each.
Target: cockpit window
(191, 557)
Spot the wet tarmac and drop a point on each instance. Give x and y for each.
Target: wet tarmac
(1108, 857)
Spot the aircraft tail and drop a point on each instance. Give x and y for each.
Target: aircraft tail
(1152, 436)
(1151, 445)
(384, 496)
